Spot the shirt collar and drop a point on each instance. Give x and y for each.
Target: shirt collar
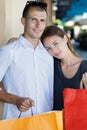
(25, 43)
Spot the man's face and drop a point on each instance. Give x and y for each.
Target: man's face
(35, 23)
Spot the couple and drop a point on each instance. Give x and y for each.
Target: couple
(26, 68)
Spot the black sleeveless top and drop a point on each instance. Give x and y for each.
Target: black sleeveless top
(61, 82)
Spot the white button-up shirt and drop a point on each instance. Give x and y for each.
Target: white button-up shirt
(27, 72)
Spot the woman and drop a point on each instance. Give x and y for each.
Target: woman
(69, 68)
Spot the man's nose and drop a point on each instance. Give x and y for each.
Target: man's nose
(38, 23)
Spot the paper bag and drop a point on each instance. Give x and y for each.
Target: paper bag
(46, 121)
(75, 109)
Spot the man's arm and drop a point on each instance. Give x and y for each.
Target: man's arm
(8, 98)
(22, 103)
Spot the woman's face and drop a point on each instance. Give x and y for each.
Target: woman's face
(56, 45)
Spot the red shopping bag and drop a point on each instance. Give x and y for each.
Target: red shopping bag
(75, 109)
(46, 121)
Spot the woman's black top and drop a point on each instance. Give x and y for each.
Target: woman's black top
(61, 82)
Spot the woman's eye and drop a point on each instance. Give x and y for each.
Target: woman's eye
(48, 49)
(55, 43)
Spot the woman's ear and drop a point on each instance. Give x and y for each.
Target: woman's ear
(23, 21)
(65, 38)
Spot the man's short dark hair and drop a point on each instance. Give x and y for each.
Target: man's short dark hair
(38, 5)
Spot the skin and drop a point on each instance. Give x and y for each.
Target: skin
(57, 47)
(34, 26)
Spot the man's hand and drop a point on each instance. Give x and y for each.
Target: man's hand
(12, 40)
(23, 104)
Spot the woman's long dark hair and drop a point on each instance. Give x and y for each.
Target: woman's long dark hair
(54, 30)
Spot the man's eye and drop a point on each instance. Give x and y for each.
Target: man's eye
(43, 20)
(33, 19)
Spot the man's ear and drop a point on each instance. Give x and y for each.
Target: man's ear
(23, 21)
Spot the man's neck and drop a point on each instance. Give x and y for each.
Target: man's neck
(33, 41)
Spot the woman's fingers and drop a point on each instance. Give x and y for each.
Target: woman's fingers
(84, 79)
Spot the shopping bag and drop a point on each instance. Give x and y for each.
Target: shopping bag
(75, 109)
(47, 121)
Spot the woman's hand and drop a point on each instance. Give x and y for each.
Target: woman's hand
(84, 79)
(12, 40)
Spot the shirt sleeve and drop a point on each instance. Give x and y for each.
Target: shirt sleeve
(5, 60)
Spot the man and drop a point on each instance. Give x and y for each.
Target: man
(26, 68)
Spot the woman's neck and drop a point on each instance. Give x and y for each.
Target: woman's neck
(70, 59)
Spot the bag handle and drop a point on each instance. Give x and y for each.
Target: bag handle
(20, 114)
(31, 112)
